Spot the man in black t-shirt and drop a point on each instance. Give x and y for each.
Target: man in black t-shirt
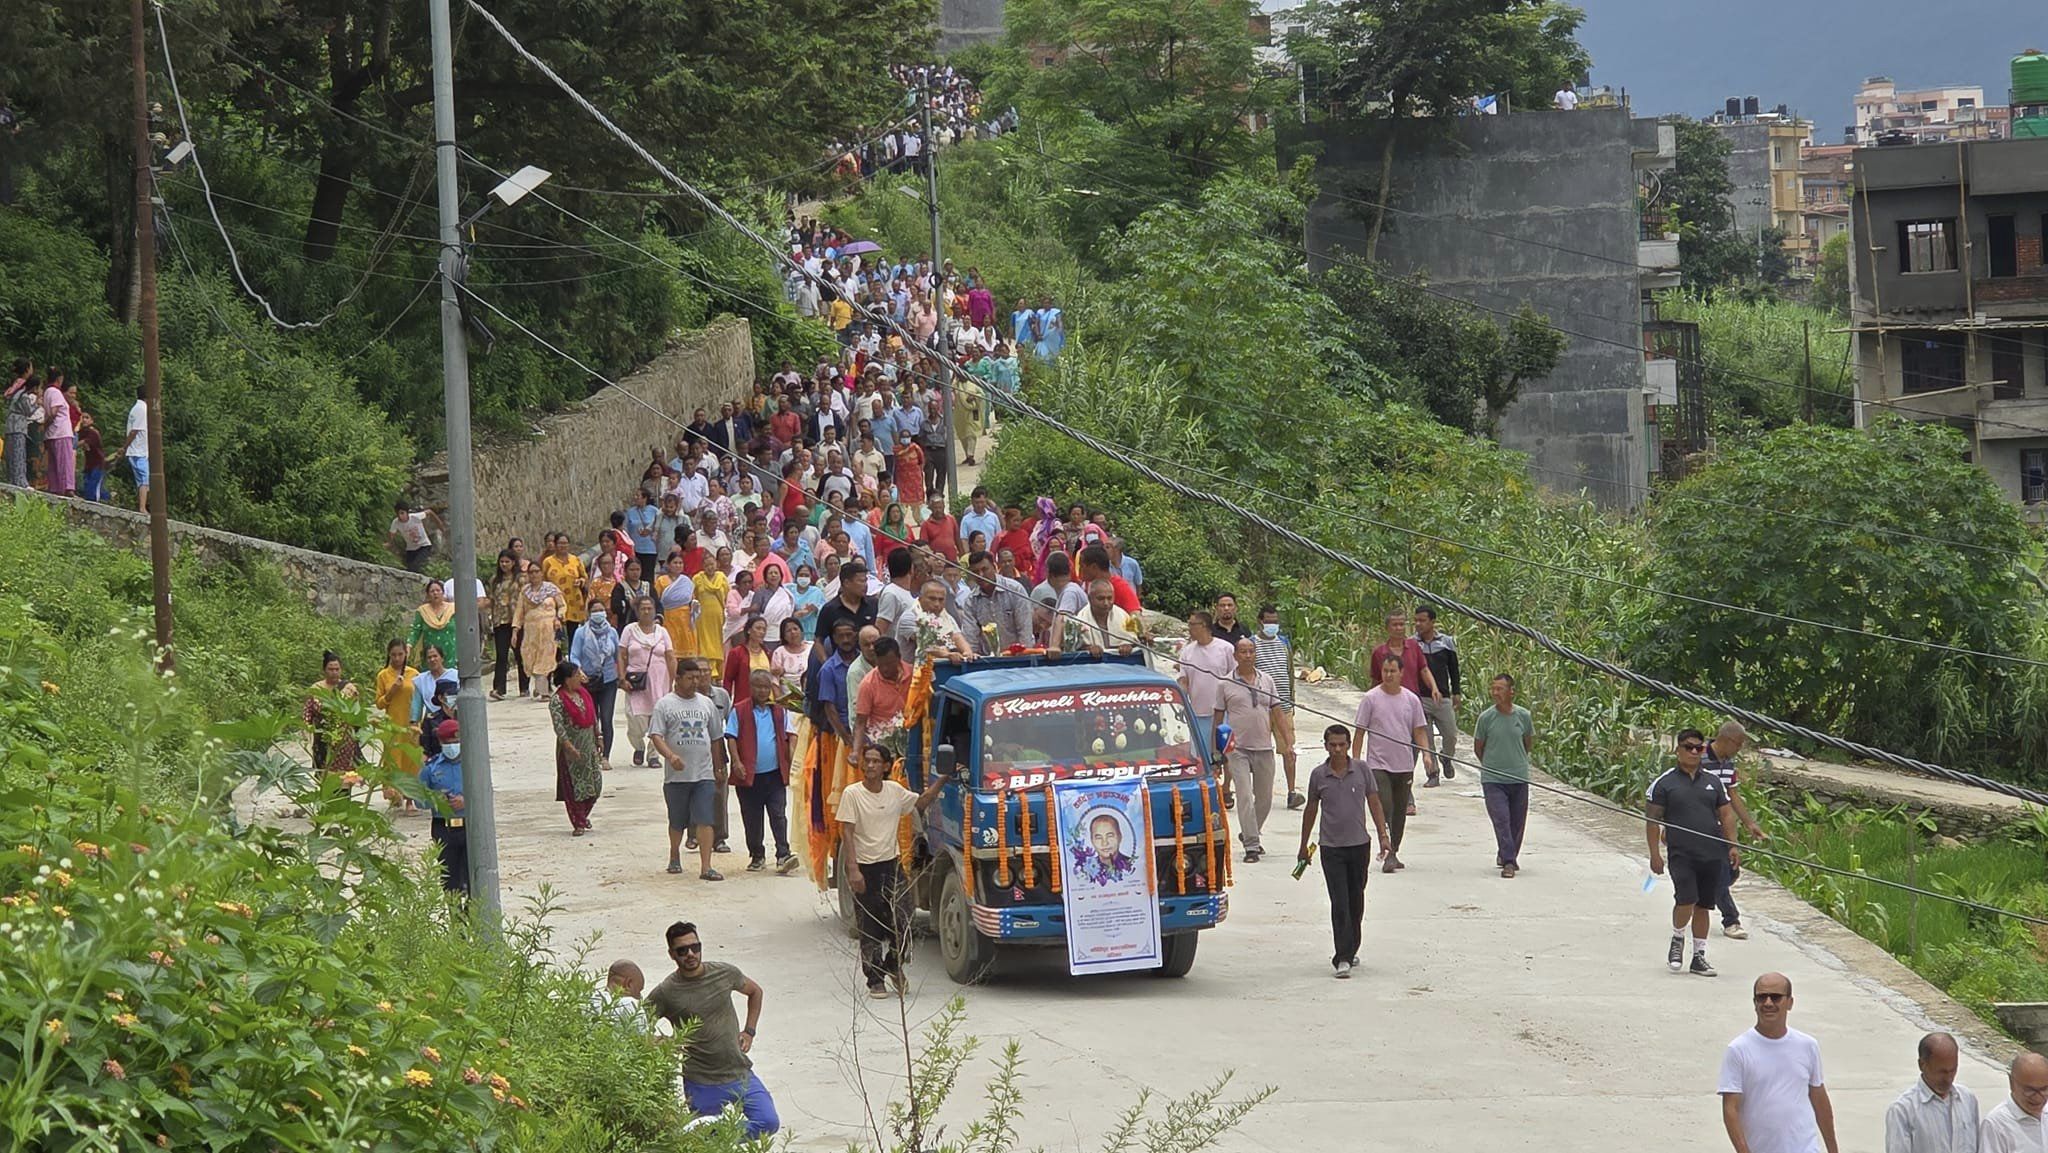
(852, 604)
(1687, 810)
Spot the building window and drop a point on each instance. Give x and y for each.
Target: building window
(2034, 475)
(1929, 105)
(1931, 363)
(1927, 245)
(1966, 102)
(2008, 368)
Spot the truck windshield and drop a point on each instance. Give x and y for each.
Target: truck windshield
(1113, 731)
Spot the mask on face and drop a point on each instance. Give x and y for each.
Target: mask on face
(1269, 631)
(452, 750)
(803, 582)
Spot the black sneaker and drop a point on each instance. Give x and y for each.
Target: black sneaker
(1700, 968)
(756, 865)
(1450, 770)
(1676, 957)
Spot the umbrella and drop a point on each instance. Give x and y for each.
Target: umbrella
(860, 248)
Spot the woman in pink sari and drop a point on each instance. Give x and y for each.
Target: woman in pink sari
(910, 474)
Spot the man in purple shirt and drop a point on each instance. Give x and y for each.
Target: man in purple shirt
(1392, 717)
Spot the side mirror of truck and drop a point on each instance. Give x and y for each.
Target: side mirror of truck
(943, 761)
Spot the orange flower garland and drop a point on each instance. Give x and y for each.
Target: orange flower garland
(1152, 872)
(1180, 842)
(905, 835)
(1223, 818)
(1054, 857)
(1208, 835)
(1024, 834)
(1003, 838)
(967, 843)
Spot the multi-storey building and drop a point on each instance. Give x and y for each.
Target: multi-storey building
(1950, 300)
(1926, 115)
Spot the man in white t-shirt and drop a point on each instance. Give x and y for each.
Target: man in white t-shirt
(2014, 1124)
(410, 536)
(1567, 98)
(869, 815)
(136, 450)
(1773, 1096)
(1206, 661)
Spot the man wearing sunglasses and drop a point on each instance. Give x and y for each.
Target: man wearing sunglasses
(1773, 1096)
(1689, 812)
(716, 1068)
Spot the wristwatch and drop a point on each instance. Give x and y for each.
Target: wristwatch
(748, 1032)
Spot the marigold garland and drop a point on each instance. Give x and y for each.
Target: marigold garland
(1024, 835)
(905, 834)
(967, 843)
(1208, 835)
(1180, 842)
(1152, 870)
(1055, 855)
(1003, 838)
(1223, 818)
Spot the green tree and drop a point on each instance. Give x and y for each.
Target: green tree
(1440, 355)
(1151, 96)
(1831, 278)
(1898, 475)
(1761, 357)
(1411, 64)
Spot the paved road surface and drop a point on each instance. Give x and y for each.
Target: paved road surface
(1534, 1013)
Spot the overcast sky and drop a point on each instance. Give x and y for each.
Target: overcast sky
(1689, 56)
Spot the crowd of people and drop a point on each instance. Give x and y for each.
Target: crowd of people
(54, 442)
(958, 113)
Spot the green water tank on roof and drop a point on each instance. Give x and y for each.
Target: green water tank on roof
(2030, 77)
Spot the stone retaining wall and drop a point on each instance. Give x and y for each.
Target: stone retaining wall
(335, 586)
(580, 464)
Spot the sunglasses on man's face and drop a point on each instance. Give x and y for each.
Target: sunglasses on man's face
(1771, 998)
(1693, 747)
(681, 949)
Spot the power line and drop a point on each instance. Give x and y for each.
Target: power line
(998, 396)
(378, 248)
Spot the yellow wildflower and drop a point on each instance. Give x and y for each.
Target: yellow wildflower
(61, 911)
(55, 1028)
(499, 1083)
(497, 1093)
(116, 995)
(50, 687)
(162, 958)
(88, 848)
(112, 1068)
(383, 1006)
(471, 1077)
(418, 1078)
(236, 907)
(62, 878)
(518, 1102)
(358, 1051)
(125, 1020)
(29, 851)
(431, 1053)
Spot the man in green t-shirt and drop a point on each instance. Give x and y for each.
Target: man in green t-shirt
(1502, 741)
(716, 1068)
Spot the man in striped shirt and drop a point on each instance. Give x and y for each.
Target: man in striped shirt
(1719, 759)
(1276, 660)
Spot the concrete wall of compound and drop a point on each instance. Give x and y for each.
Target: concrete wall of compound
(578, 465)
(334, 586)
(1565, 180)
(965, 22)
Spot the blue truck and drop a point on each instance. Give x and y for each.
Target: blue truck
(1003, 729)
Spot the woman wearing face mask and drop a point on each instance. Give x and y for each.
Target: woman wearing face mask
(807, 597)
(789, 661)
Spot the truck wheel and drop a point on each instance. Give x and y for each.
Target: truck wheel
(968, 954)
(848, 919)
(1177, 954)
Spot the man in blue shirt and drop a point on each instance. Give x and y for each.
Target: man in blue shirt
(834, 694)
(760, 753)
(982, 518)
(442, 774)
(596, 651)
(884, 428)
(1126, 565)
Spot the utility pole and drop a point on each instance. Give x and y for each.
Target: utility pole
(1806, 395)
(152, 368)
(479, 826)
(941, 338)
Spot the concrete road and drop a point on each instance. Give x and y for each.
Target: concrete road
(1533, 1013)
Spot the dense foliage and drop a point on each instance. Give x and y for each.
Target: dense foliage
(1767, 363)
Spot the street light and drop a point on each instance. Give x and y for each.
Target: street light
(509, 191)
